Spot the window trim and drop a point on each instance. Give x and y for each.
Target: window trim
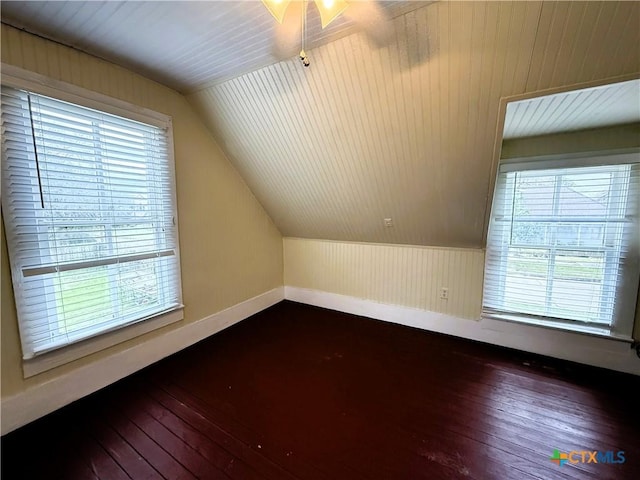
(620, 329)
(19, 78)
(488, 317)
(15, 77)
(101, 341)
(569, 160)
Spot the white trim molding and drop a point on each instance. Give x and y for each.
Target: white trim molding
(44, 398)
(16, 77)
(576, 347)
(74, 351)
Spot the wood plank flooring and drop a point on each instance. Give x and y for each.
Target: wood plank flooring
(298, 392)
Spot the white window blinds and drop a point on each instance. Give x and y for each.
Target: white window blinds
(89, 209)
(563, 245)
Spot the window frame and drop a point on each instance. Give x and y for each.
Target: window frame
(622, 324)
(19, 78)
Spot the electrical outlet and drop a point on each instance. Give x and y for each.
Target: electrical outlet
(388, 222)
(444, 293)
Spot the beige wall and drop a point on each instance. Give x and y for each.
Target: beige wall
(592, 140)
(230, 249)
(404, 275)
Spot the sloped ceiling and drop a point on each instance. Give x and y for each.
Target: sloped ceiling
(407, 131)
(403, 131)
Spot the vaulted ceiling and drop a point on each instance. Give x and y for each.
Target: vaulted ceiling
(401, 129)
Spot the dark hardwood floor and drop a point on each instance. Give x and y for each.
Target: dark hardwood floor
(298, 392)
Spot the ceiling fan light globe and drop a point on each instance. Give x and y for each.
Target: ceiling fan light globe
(330, 10)
(277, 8)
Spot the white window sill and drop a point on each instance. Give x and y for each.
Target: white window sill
(595, 331)
(75, 351)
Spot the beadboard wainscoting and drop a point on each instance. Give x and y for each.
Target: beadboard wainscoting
(402, 284)
(411, 276)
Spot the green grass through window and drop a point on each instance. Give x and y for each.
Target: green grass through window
(578, 268)
(82, 295)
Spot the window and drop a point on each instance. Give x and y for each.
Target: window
(563, 245)
(89, 210)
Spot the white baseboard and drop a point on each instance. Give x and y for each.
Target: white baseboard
(586, 349)
(44, 398)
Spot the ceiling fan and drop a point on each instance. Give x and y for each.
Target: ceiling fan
(306, 23)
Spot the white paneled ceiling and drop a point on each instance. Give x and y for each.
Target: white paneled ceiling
(184, 44)
(601, 106)
(407, 131)
(403, 129)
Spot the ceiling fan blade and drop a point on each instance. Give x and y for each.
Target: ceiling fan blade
(370, 17)
(287, 36)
